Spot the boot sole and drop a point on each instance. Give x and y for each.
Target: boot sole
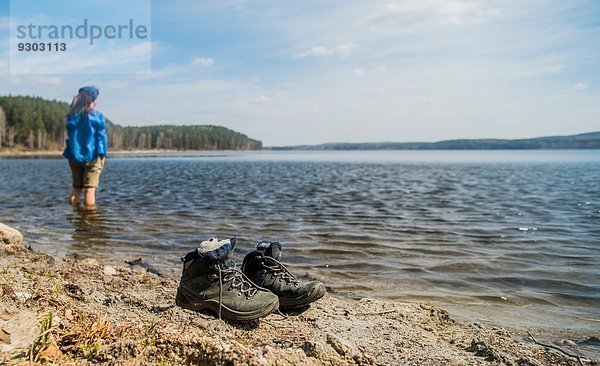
(317, 293)
(226, 312)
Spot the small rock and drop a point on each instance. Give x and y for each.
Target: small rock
(139, 270)
(73, 290)
(22, 296)
(10, 236)
(125, 270)
(312, 349)
(481, 349)
(160, 308)
(591, 341)
(568, 342)
(109, 271)
(145, 265)
(90, 262)
(98, 297)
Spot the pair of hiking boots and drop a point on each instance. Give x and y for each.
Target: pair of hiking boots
(210, 281)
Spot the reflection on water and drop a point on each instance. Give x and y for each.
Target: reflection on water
(90, 228)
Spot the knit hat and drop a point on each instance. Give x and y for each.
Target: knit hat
(91, 91)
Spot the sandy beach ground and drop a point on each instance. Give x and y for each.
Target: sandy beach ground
(69, 312)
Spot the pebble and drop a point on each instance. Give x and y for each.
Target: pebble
(109, 271)
(90, 262)
(568, 343)
(23, 296)
(99, 297)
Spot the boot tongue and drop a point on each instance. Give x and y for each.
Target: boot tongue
(212, 250)
(270, 248)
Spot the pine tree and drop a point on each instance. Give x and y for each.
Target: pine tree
(2, 126)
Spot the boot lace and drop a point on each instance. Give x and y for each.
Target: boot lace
(279, 270)
(237, 281)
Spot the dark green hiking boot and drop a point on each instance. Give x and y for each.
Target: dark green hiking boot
(263, 267)
(210, 282)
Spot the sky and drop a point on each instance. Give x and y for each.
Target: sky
(309, 72)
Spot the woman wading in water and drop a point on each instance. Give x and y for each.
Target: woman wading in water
(86, 145)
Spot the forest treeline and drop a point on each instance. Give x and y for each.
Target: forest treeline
(38, 124)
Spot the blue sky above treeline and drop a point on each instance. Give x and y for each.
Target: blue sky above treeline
(358, 71)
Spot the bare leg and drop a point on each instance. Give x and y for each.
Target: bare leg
(89, 196)
(74, 197)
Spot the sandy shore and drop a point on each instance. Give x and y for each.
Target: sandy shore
(20, 152)
(84, 312)
(24, 152)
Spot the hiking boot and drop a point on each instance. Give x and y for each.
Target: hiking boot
(263, 267)
(210, 281)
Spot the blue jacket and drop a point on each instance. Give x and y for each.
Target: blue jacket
(86, 139)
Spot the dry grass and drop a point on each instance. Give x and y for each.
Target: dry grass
(86, 335)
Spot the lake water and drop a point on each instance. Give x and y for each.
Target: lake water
(506, 236)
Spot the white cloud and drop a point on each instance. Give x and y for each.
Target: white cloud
(345, 49)
(359, 72)
(204, 62)
(579, 86)
(426, 100)
(409, 15)
(460, 12)
(36, 80)
(538, 71)
(446, 11)
(262, 100)
(342, 50)
(404, 7)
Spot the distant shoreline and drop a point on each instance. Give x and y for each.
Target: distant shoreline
(572, 142)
